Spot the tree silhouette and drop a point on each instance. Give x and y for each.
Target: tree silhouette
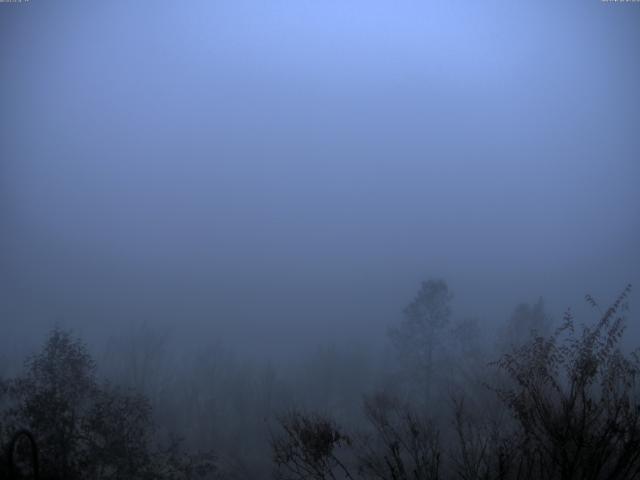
(574, 399)
(420, 332)
(84, 429)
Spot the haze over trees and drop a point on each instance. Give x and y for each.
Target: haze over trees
(84, 428)
(319, 239)
(570, 410)
(419, 336)
(561, 402)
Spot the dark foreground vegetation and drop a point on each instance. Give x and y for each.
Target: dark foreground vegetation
(83, 429)
(555, 402)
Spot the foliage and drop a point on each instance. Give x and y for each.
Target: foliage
(309, 448)
(575, 402)
(567, 407)
(84, 429)
(401, 445)
(571, 409)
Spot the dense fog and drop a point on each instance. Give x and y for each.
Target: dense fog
(236, 209)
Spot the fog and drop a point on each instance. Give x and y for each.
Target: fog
(275, 177)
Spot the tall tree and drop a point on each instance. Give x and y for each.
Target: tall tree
(420, 332)
(526, 322)
(85, 428)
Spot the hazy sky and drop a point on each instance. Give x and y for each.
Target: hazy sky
(269, 171)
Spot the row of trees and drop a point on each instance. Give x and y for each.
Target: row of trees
(566, 407)
(557, 403)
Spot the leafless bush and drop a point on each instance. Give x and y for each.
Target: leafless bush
(401, 445)
(309, 448)
(404, 444)
(574, 400)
